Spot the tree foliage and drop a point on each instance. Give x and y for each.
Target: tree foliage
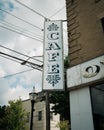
(61, 104)
(13, 116)
(63, 125)
(3, 120)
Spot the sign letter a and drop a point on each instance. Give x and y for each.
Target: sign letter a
(53, 46)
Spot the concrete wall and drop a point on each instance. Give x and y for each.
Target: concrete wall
(81, 111)
(40, 124)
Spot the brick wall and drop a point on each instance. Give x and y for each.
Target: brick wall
(85, 31)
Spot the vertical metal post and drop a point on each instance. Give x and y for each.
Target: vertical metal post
(47, 112)
(32, 110)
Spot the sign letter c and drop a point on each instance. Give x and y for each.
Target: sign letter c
(53, 36)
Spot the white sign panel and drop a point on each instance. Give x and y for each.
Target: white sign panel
(53, 74)
(87, 72)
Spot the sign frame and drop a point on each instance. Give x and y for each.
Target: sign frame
(53, 67)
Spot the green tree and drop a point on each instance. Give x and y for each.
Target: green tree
(13, 116)
(3, 119)
(16, 116)
(61, 104)
(63, 125)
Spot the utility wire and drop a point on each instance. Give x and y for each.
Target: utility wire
(22, 53)
(16, 73)
(30, 9)
(57, 12)
(20, 33)
(10, 59)
(36, 11)
(40, 69)
(14, 60)
(27, 21)
(26, 34)
(4, 22)
(21, 59)
(21, 19)
(32, 65)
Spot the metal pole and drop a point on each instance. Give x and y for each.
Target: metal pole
(32, 110)
(47, 112)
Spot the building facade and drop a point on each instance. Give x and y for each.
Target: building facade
(85, 75)
(39, 115)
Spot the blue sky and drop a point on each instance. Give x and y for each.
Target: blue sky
(13, 87)
(5, 5)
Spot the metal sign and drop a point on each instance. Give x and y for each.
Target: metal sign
(53, 70)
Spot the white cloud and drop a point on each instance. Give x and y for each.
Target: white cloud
(33, 77)
(12, 88)
(7, 93)
(2, 72)
(18, 91)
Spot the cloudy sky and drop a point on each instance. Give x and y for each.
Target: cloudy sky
(21, 30)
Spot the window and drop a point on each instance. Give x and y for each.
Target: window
(102, 21)
(39, 115)
(97, 96)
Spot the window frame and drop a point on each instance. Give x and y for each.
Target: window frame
(39, 115)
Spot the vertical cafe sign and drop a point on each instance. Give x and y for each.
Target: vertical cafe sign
(53, 71)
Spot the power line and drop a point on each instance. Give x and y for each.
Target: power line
(21, 53)
(20, 33)
(17, 28)
(19, 59)
(33, 65)
(57, 11)
(10, 59)
(21, 19)
(4, 22)
(30, 9)
(16, 61)
(20, 63)
(16, 73)
(38, 12)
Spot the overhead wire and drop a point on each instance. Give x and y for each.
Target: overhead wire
(18, 29)
(21, 19)
(40, 13)
(21, 29)
(20, 33)
(31, 9)
(10, 59)
(22, 53)
(51, 15)
(57, 12)
(16, 73)
(36, 66)
(17, 58)
(13, 60)
(34, 12)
